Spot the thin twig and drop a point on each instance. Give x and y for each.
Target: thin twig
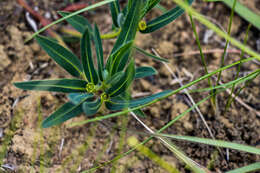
(75, 7)
(61, 147)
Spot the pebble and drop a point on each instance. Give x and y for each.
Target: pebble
(4, 60)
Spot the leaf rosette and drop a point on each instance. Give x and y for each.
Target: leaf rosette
(104, 84)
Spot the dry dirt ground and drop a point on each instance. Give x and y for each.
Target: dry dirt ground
(25, 147)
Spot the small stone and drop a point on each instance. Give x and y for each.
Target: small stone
(35, 47)
(145, 84)
(143, 40)
(166, 105)
(166, 48)
(155, 111)
(188, 126)
(179, 108)
(4, 60)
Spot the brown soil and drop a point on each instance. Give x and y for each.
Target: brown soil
(28, 148)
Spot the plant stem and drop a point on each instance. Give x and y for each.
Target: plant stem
(202, 58)
(226, 46)
(77, 34)
(238, 70)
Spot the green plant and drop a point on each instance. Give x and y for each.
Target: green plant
(119, 17)
(93, 89)
(106, 86)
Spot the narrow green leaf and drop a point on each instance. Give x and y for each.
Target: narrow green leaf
(59, 85)
(140, 113)
(65, 112)
(99, 52)
(116, 58)
(129, 4)
(213, 142)
(248, 168)
(124, 82)
(142, 72)
(130, 25)
(148, 6)
(86, 58)
(164, 19)
(115, 10)
(161, 8)
(61, 55)
(91, 108)
(125, 59)
(118, 103)
(115, 78)
(76, 98)
(70, 39)
(78, 22)
(151, 55)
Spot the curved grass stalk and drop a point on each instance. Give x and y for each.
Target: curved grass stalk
(70, 15)
(111, 35)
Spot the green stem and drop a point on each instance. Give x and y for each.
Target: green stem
(201, 55)
(226, 46)
(111, 35)
(238, 70)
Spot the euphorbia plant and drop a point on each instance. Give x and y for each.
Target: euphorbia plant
(119, 16)
(94, 89)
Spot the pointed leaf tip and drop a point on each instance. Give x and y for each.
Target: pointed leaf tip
(86, 58)
(65, 58)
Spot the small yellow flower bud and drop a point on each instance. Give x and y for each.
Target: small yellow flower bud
(90, 87)
(142, 25)
(104, 97)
